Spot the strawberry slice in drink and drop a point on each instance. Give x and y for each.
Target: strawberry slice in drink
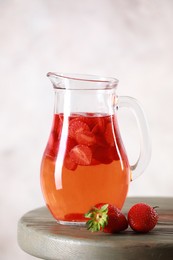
(99, 126)
(86, 138)
(105, 155)
(81, 154)
(90, 121)
(77, 126)
(69, 164)
(70, 144)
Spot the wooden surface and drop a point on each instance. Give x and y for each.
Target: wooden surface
(40, 235)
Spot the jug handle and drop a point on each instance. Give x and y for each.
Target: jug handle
(145, 142)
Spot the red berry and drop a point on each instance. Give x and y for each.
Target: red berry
(106, 217)
(142, 217)
(89, 120)
(81, 154)
(70, 143)
(99, 126)
(69, 164)
(86, 138)
(94, 162)
(100, 140)
(77, 126)
(103, 154)
(116, 222)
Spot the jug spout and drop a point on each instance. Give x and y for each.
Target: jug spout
(81, 82)
(56, 80)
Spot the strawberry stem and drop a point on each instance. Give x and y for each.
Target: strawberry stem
(98, 218)
(155, 207)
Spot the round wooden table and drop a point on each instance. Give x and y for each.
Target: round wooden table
(40, 235)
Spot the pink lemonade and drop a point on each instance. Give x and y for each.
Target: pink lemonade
(84, 163)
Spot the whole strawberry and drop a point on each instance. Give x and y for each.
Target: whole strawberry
(107, 218)
(142, 217)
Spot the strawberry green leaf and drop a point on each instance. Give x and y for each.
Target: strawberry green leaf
(98, 218)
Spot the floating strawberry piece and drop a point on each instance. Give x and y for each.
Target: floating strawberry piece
(99, 126)
(77, 126)
(86, 138)
(90, 121)
(106, 217)
(70, 144)
(142, 217)
(95, 129)
(69, 164)
(104, 154)
(100, 140)
(81, 154)
(94, 162)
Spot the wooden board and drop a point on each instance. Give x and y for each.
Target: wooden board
(40, 235)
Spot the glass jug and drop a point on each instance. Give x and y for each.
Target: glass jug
(85, 161)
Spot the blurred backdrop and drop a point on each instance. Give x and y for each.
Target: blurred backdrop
(129, 40)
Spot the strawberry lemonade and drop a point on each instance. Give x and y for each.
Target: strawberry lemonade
(84, 163)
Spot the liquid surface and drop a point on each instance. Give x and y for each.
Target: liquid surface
(84, 163)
